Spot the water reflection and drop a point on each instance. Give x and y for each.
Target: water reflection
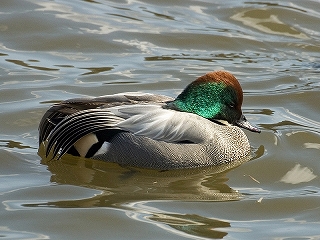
(283, 118)
(265, 21)
(7, 233)
(23, 64)
(97, 70)
(13, 144)
(193, 224)
(128, 189)
(298, 174)
(181, 224)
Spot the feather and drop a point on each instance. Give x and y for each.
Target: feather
(158, 123)
(77, 125)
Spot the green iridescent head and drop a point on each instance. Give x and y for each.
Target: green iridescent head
(215, 96)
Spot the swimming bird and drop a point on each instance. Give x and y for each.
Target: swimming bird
(200, 127)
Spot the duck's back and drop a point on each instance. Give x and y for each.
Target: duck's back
(61, 110)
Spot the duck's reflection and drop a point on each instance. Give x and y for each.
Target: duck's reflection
(127, 189)
(123, 184)
(184, 224)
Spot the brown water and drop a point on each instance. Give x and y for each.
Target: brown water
(54, 50)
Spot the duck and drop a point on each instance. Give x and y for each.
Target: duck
(201, 127)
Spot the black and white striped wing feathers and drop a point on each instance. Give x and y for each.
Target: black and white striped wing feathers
(77, 125)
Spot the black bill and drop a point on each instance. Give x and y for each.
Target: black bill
(242, 122)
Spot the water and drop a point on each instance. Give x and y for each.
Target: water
(55, 50)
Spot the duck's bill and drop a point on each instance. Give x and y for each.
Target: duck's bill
(242, 122)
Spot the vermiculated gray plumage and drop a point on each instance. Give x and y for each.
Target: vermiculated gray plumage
(138, 151)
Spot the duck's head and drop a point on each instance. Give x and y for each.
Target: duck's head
(216, 96)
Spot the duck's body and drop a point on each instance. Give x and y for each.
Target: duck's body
(153, 131)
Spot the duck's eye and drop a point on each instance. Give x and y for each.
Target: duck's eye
(231, 105)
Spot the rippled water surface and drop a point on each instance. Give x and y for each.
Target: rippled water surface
(55, 50)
